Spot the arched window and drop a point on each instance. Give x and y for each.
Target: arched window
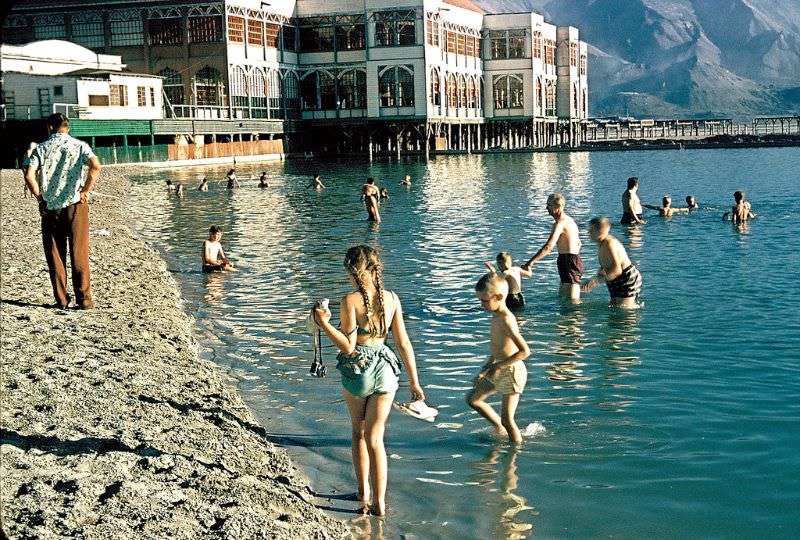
(327, 90)
(436, 92)
(462, 92)
(539, 96)
(476, 82)
(309, 92)
(173, 85)
(353, 89)
(239, 87)
(396, 86)
(575, 110)
(508, 92)
(258, 91)
(550, 99)
(471, 88)
(451, 90)
(208, 83)
(274, 89)
(291, 91)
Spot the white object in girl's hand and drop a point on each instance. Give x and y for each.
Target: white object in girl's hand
(417, 409)
(311, 323)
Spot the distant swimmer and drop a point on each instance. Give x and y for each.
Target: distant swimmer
(622, 278)
(262, 181)
(741, 212)
(233, 183)
(631, 207)
(214, 259)
(565, 237)
(505, 372)
(170, 186)
(384, 193)
(371, 197)
(179, 190)
(513, 275)
(405, 181)
(691, 204)
(316, 183)
(666, 209)
(203, 185)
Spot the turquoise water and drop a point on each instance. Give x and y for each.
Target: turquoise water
(680, 419)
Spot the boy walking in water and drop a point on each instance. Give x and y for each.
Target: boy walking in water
(622, 278)
(513, 275)
(505, 371)
(565, 237)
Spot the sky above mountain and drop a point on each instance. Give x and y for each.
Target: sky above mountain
(700, 58)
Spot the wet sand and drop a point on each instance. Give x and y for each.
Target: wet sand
(112, 427)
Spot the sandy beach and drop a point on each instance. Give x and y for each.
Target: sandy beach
(112, 427)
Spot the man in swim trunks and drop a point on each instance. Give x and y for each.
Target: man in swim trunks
(631, 206)
(622, 278)
(565, 237)
(371, 197)
(666, 210)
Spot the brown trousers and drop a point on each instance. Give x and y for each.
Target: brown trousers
(70, 224)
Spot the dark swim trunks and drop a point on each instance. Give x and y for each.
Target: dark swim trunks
(627, 285)
(627, 219)
(515, 301)
(570, 268)
(213, 268)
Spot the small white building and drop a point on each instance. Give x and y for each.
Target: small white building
(59, 76)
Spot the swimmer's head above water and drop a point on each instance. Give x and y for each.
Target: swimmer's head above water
(492, 290)
(504, 260)
(598, 228)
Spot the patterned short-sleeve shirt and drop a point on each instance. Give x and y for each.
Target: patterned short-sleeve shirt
(61, 160)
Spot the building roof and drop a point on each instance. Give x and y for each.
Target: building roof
(464, 4)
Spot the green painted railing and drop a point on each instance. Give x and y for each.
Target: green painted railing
(106, 128)
(132, 154)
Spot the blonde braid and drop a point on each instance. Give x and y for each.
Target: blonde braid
(381, 305)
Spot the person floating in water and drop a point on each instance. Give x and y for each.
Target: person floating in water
(622, 278)
(384, 193)
(170, 186)
(371, 197)
(203, 185)
(631, 206)
(369, 368)
(513, 275)
(564, 235)
(405, 181)
(741, 212)
(214, 259)
(262, 181)
(316, 183)
(691, 204)
(505, 372)
(666, 209)
(233, 183)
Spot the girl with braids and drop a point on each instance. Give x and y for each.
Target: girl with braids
(369, 369)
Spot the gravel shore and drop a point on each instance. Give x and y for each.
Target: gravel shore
(112, 427)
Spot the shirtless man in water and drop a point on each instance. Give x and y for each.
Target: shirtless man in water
(742, 212)
(564, 236)
(370, 194)
(631, 206)
(666, 210)
(622, 278)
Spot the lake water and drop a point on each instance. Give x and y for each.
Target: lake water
(680, 419)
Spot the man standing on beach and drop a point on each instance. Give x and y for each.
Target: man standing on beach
(62, 188)
(564, 236)
(631, 206)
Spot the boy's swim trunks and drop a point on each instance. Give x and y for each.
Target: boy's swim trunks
(515, 301)
(628, 284)
(511, 380)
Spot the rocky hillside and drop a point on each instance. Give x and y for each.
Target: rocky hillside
(695, 58)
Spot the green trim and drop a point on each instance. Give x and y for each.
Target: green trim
(105, 128)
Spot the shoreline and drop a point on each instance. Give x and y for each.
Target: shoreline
(112, 426)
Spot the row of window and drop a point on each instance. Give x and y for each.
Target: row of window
(118, 97)
(459, 90)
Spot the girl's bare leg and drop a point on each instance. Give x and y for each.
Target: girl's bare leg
(378, 407)
(358, 408)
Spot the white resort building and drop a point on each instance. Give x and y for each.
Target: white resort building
(339, 75)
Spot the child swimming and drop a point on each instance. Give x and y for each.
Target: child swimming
(505, 372)
(369, 368)
(513, 275)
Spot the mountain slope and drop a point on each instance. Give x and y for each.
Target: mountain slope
(736, 58)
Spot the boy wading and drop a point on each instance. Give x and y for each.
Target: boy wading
(57, 179)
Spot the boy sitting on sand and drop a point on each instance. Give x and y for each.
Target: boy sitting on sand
(214, 259)
(505, 371)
